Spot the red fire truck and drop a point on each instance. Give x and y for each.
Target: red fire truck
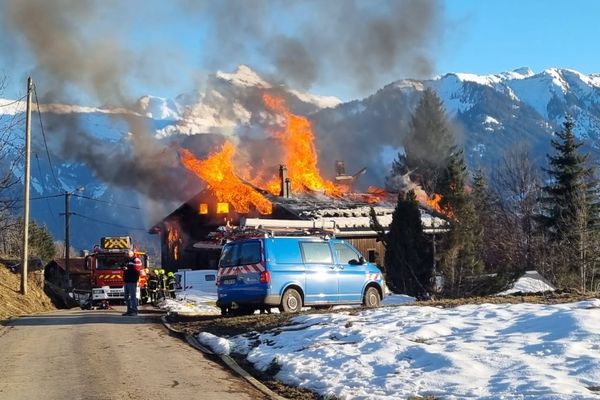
(106, 264)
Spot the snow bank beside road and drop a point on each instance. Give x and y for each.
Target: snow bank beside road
(192, 301)
(525, 351)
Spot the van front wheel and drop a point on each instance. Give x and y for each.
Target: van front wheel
(291, 302)
(371, 299)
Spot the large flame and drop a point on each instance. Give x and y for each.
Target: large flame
(300, 154)
(218, 172)
(174, 240)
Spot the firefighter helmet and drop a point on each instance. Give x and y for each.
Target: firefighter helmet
(147, 270)
(156, 271)
(170, 274)
(162, 271)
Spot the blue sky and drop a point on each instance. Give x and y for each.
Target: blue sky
(493, 36)
(475, 36)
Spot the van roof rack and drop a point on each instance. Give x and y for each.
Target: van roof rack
(291, 227)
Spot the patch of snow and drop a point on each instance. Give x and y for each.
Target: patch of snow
(192, 302)
(217, 344)
(531, 282)
(491, 124)
(488, 351)
(159, 108)
(319, 101)
(397, 299)
(243, 76)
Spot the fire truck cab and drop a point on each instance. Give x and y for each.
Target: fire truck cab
(106, 265)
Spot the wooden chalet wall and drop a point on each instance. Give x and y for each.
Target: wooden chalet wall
(370, 248)
(194, 227)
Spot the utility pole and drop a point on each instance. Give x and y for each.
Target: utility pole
(67, 238)
(67, 215)
(24, 259)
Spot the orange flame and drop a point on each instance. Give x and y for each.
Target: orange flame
(433, 202)
(300, 154)
(218, 172)
(174, 240)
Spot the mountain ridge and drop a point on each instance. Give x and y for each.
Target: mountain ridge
(492, 113)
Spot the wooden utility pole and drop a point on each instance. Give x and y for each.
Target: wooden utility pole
(25, 257)
(67, 239)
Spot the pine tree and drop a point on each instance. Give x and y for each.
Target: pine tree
(461, 250)
(407, 257)
(428, 145)
(570, 209)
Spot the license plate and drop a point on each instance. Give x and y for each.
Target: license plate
(228, 281)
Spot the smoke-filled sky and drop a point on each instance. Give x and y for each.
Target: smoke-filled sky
(104, 51)
(344, 48)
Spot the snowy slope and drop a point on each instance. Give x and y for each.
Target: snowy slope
(511, 351)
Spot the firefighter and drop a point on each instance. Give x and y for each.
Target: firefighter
(171, 284)
(162, 284)
(153, 286)
(144, 290)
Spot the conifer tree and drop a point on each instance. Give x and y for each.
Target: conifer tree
(428, 144)
(461, 251)
(570, 209)
(407, 257)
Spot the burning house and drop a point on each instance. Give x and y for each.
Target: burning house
(185, 233)
(297, 197)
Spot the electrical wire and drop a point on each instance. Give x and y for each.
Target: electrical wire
(58, 186)
(13, 102)
(47, 202)
(107, 223)
(106, 201)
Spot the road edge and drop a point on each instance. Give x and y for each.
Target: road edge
(227, 360)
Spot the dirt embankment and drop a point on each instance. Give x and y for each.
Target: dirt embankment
(13, 303)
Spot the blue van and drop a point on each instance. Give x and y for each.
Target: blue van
(293, 272)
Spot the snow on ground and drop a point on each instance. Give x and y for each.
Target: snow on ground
(489, 351)
(531, 282)
(192, 301)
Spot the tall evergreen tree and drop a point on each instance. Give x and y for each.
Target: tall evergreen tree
(570, 209)
(428, 144)
(461, 250)
(407, 257)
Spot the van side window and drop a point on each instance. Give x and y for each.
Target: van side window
(344, 253)
(316, 253)
(249, 253)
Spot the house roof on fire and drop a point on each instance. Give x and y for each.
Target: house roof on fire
(350, 213)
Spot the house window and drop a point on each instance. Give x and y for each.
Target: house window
(222, 208)
(372, 255)
(203, 208)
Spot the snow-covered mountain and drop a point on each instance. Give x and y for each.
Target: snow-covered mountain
(492, 112)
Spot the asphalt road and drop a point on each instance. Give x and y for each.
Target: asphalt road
(95, 355)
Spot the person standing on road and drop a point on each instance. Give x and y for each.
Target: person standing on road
(131, 276)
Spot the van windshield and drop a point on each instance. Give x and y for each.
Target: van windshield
(240, 254)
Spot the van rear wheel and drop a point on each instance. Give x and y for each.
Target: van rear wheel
(371, 299)
(291, 302)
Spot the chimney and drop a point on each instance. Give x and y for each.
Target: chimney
(283, 178)
(340, 168)
(288, 188)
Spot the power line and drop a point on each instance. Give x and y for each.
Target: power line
(44, 136)
(47, 202)
(106, 202)
(107, 223)
(42, 197)
(13, 102)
